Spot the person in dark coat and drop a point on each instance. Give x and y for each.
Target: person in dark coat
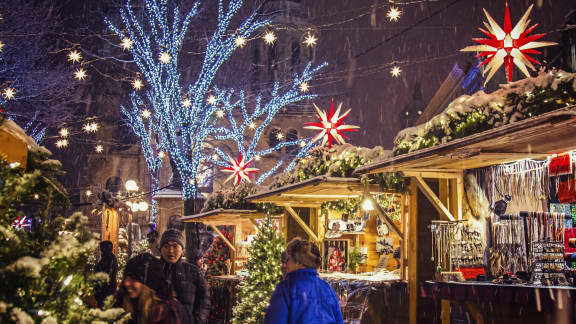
(109, 265)
(187, 279)
(302, 297)
(146, 294)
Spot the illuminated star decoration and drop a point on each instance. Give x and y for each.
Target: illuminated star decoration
(239, 169)
(507, 45)
(9, 93)
(1, 46)
(393, 14)
(269, 38)
(80, 74)
(137, 84)
(395, 71)
(310, 40)
(165, 57)
(127, 43)
(74, 56)
(21, 222)
(331, 125)
(240, 41)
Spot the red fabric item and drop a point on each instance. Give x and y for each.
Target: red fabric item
(560, 165)
(472, 273)
(567, 191)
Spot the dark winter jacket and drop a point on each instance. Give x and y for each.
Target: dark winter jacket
(109, 265)
(304, 298)
(191, 291)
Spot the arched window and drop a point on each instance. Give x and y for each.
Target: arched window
(114, 184)
(273, 139)
(291, 136)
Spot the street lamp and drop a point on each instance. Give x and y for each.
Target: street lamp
(135, 206)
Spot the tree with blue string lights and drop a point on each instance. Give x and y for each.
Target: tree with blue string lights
(201, 127)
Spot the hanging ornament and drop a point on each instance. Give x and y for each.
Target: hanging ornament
(508, 45)
(331, 125)
(239, 169)
(21, 222)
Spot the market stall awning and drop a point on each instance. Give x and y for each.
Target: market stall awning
(313, 192)
(222, 217)
(14, 144)
(536, 138)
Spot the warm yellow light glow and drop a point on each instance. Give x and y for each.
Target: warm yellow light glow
(131, 185)
(9, 93)
(80, 74)
(74, 56)
(161, 154)
(61, 143)
(304, 87)
(367, 205)
(64, 132)
(211, 99)
(302, 143)
(186, 103)
(395, 71)
(269, 38)
(90, 127)
(220, 113)
(1, 46)
(279, 136)
(165, 57)
(240, 41)
(393, 14)
(310, 40)
(137, 84)
(99, 148)
(252, 125)
(127, 43)
(146, 113)
(257, 157)
(143, 206)
(88, 193)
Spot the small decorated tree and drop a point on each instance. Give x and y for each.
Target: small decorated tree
(264, 274)
(218, 257)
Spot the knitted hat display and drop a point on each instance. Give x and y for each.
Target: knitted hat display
(172, 235)
(148, 270)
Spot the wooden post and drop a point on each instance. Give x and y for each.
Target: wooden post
(403, 244)
(445, 311)
(302, 224)
(413, 252)
(460, 194)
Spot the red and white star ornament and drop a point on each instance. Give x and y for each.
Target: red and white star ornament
(239, 169)
(507, 45)
(331, 125)
(21, 222)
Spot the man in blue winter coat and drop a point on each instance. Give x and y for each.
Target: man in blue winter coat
(302, 297)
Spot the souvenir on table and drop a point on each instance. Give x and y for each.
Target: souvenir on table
(336, 254)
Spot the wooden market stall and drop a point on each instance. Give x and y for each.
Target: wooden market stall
(438, 173)
(303, 217)
(244, 223)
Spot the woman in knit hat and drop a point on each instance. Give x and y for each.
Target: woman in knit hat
(146, 294)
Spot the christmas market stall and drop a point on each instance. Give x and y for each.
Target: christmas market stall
(357, 223)
(490, 206)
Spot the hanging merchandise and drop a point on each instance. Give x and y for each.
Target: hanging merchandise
(508, 252)
(566, 190)
(560, 164)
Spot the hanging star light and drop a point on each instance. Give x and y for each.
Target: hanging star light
(239, 169)
(187, 103)
(211, 99)
(240, 41)
(137, 84)
(331, 125)
(165, 57)
(269, 38)
(80, 74)
(21, 222)
(9, 93)
(393, 14)
(64, 132)
(508, 46)
(127, 43)
(1, 46)
(304, 87)
(310, 40)
(74, 56)
(61, 143)
(395, 71)
(99, 148)
(146, 113)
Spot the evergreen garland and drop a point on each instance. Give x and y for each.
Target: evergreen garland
(235, 198)
(264, 274)
(468, 115)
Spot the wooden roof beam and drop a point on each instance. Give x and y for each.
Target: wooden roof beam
(224, 238)
(384, 216)
(433, 198)
(302, 223)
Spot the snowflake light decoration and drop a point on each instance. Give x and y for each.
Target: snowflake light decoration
(331, 126)
(21, 222)
(239, 169)
(507, 45)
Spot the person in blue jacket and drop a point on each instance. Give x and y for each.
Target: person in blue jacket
(302, 297)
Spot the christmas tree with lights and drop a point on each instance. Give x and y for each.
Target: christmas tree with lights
(264, 274)
(43, 256)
